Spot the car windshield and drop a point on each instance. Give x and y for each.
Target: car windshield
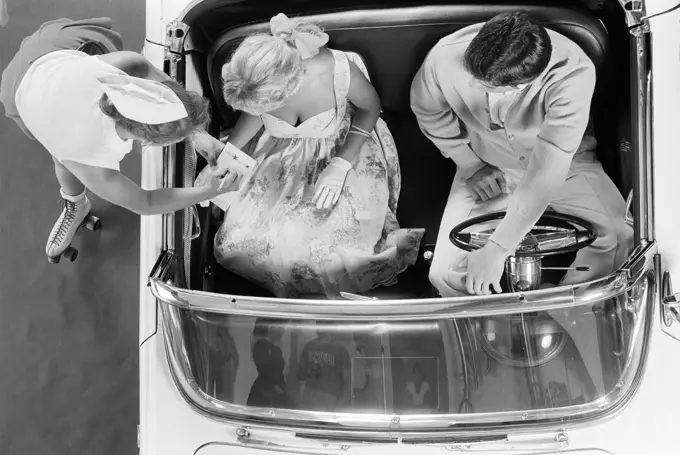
(523, 362)
(577, 358)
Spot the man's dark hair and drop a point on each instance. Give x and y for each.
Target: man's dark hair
(510, 49)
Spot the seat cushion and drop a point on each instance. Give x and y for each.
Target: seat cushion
(393, 43)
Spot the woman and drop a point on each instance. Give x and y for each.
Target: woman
(88, 110)
(317, 216)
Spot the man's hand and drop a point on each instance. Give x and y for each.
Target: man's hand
(207, 146)
(487, 183)
(485, 269)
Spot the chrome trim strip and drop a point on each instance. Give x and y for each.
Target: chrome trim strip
(649, 162)
(168, 181)
(641, 141)
(168, 241)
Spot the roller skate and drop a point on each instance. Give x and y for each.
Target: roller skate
(75, 214)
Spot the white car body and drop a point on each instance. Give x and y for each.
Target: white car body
(646, 424)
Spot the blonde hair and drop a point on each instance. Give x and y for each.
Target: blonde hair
(196, 106)
(264, 71)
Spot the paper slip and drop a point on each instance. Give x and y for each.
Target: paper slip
(232, 159)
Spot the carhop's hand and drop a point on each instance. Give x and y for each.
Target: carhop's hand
(487, 183)
(223, 182)
(207, 146)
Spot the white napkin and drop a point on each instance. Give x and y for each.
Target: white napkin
(234, 160)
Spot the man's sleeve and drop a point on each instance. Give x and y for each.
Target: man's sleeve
(567, 111)
(437, 120)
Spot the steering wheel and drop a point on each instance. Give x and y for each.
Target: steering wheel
(559, 240)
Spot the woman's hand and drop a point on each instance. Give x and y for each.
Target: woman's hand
(330, 183)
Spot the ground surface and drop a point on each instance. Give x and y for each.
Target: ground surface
(68, 333)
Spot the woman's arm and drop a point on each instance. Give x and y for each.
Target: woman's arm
(247, 126)
(134, 64)
(210, 148)
(114, 187)
(365, 98)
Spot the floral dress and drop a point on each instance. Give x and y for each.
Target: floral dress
(274, 235)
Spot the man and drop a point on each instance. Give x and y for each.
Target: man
(508, 101)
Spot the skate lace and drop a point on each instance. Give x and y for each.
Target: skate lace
(67, 219)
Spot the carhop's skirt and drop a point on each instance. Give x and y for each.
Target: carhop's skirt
(92, 36)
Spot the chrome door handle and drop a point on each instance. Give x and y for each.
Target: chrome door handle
(670, 303)
(628, 217)
(195, 223)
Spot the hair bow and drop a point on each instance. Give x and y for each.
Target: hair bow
(143, 100)
(307, 44)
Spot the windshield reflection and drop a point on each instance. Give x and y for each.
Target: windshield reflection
(530, 361)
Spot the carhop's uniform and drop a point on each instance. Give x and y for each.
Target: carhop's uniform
(52, 89)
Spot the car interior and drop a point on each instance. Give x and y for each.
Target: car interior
(508, 362)
(393, 39)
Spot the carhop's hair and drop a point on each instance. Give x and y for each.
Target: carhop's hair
(196, 106)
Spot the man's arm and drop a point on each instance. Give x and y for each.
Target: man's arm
(437, 120)
(560, 136)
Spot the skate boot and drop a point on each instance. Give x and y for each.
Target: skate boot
(75, 213)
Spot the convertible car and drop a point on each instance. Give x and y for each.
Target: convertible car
(226, 368)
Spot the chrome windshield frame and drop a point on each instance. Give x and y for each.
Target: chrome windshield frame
(419, 427)
(415, 309)
(387, 310)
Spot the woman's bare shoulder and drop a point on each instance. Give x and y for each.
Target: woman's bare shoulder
(322, 63)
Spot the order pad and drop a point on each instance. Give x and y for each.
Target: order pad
(232, 159)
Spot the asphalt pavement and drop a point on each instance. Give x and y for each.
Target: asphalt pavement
(68, 332)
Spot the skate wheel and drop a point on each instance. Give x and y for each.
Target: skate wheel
(93, 223)
(54, 260)
(70, 254)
